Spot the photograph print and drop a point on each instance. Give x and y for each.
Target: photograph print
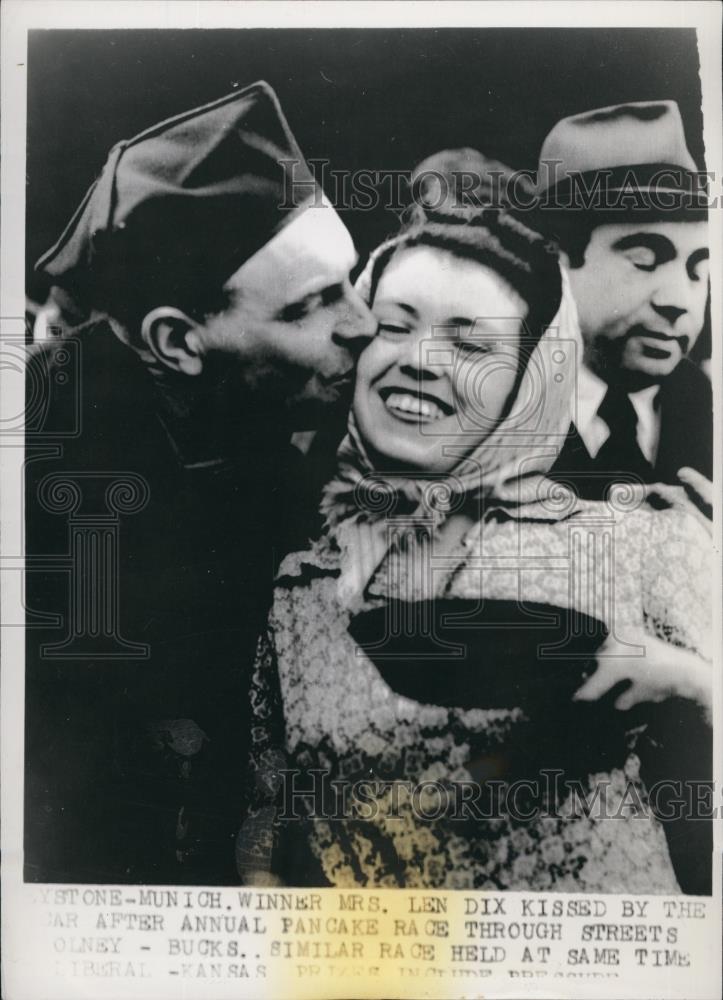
(368, 460)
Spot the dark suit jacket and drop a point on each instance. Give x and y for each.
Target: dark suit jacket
(135, 759)
(686, 437)
(677, 743)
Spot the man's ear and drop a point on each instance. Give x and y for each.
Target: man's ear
(174, 339)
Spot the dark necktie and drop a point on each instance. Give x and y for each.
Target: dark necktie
(621, 452)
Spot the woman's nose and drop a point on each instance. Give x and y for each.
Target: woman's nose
(425, 356)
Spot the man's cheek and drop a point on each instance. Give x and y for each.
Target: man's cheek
(290, 348)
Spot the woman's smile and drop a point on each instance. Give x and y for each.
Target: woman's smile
(412, 406)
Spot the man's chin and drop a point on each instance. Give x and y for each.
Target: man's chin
(637, 359)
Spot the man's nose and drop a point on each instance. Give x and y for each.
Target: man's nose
(356, 321)
(675, 296)
(671, 314)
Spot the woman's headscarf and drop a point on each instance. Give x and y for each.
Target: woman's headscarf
(507, 469)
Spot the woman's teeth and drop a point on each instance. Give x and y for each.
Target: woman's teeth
(402, 402)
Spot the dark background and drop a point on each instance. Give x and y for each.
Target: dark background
(378, 99)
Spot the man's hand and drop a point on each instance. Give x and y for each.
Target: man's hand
(665, 671)
(692, 497)
(699, 489)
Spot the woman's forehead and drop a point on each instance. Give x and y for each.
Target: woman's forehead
(434, 280)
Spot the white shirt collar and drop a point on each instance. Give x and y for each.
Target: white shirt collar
(592, 428)
(591, 391)
(644, 400)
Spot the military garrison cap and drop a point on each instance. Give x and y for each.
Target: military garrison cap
(180, 207)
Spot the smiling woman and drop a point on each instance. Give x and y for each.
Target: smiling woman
(444, 361)
(460, 304)
(431, 649)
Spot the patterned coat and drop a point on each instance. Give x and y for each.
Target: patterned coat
(375, 710)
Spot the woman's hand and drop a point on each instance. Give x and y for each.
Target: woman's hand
(664, 671)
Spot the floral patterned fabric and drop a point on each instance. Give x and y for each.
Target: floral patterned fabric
(395, 778)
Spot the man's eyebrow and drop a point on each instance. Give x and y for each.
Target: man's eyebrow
(318, 287)
(291, 307)
(661, 246)
(311, 293)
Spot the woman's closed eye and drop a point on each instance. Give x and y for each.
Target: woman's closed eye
(476, 346)
(393, 330)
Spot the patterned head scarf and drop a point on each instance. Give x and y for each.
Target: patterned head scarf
(508, 467)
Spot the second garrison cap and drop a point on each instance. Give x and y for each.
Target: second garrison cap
(180, 207)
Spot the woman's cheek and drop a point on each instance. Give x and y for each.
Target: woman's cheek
(369, 367)
(467, 372)
(375, 359)
(481, 387)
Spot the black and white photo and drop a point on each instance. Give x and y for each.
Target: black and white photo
(364, 471)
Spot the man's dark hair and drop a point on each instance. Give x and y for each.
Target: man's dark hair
(129, 305)
(572, 232)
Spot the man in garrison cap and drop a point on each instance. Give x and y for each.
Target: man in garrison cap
(161, 488)
(619, 192)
